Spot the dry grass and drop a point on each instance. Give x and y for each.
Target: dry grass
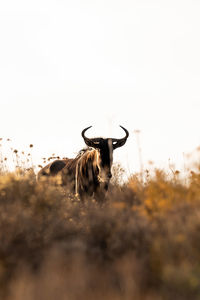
(142, 243)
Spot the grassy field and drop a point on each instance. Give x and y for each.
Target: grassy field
(142, 243)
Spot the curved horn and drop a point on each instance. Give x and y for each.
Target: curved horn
(94, 142)
(127, 133)
(120, 142)
(83, 132)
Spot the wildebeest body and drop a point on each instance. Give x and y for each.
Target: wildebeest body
(89, 173)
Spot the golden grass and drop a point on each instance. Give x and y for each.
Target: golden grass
(141, 243)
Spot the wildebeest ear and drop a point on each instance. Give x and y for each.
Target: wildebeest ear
(88, 142)
(92, 143)
(117, 144)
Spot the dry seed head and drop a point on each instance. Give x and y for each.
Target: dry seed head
(15, 151)
(31, 145)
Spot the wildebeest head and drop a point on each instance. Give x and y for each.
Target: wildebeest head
(105, 146)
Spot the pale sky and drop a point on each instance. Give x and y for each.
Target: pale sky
(66, 65)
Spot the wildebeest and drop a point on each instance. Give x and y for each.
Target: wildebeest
(89, 173)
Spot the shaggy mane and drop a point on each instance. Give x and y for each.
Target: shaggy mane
(87, 162)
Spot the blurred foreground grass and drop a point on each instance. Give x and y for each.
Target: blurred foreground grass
(141, 243)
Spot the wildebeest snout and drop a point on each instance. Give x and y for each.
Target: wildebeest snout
(109, 175)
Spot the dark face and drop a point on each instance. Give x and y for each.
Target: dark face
(106, 154)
